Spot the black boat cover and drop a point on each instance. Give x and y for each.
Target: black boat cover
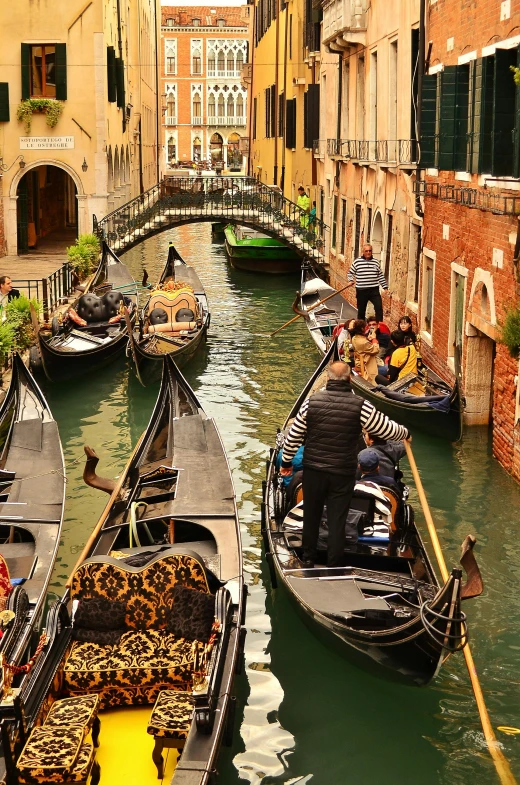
(440, 402)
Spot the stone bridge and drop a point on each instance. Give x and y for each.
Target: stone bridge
(237, 200)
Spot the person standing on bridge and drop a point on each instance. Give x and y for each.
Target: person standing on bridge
(366, 271)
(304, 204)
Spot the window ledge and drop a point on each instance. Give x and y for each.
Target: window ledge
(432, 172)
(465, 176)
(450, 362)
(507, 183)
(413, 307)
(427, 338)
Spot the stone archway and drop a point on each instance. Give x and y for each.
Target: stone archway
(377, 236)
(481, 338)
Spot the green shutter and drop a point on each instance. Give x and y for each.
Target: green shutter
(504, 95)
(460, 151)
(447, 121)
(111, 74)
(477, 114)
(120, 82)
(429, 121)
(482, 115)
(61, 72)
(4, 102)
(517, 123)
(26, 71)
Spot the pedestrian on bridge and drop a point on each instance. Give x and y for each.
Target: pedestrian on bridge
(366, 272)
(304, 204)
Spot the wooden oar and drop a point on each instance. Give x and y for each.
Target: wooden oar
(338, 291)
(501, 764)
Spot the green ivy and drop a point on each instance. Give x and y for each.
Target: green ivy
(511, 331)
(49, 106)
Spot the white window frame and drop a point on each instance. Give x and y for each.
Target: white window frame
(427, 256)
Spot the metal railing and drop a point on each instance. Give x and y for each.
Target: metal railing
(474, 198)
(399, 152)
(313, 36)
(318, 147)
(171, 120)
(243, 200)
(226, 120)
(51, 291)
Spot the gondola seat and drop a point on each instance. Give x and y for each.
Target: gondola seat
(56, 755)
(97, 311)
(147, 655)
(171, 312)
(170, 723)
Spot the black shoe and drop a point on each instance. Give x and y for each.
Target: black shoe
(307, 564)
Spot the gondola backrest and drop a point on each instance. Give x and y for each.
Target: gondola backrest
(99, 309)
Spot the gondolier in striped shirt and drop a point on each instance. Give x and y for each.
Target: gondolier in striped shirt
(366, 272)
(330, 422)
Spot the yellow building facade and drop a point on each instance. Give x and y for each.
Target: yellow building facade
(85, 77)
(285, 95)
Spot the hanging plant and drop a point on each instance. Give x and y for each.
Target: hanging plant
(516, 74)
(49, 106)
(511, 331)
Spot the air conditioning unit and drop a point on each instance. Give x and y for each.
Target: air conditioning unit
(298, 80)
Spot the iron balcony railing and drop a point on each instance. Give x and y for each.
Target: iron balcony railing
(318, 147)
(399, 152)
(500, 204)
(313, 36)
(51, 291)
(177, 200)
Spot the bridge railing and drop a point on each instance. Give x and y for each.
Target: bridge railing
(207, 197)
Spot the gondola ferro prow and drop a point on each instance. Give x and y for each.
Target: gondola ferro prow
(90, 476)
(474, 585)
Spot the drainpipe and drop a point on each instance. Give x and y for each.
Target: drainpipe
(340, 101)
(157, 94)
(420, 74)
(275, 173)
(286, 37)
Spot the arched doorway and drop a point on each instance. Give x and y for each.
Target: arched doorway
(216, 147)
(46, 209)
(197, 150)
(377, 236)
(234, 159)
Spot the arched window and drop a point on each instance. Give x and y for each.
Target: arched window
(169, 22)
(230, 62)
(230, 106)
(196, 22)
(211, 106)
(234, 158)
(211, 63)
(240, 106)
(216, 146)
(197, 106)
(221, 60)
(240, 60)
(171, 106)
(221, 106)
(197, 149)
(221, 22)
(172, 150)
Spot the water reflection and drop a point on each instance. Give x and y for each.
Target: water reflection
(304, 714)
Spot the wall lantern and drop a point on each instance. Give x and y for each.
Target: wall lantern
(84, 165)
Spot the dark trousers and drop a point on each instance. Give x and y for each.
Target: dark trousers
(369, 295)
(334, 490)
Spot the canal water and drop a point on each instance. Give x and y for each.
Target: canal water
(305, 715)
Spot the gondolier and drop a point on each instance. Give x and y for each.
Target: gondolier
(366, 272)
(330, 422)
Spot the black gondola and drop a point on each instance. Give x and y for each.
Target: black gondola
(173, 323)
(385, 609)
(169, 528)
(95, 332)
(438, 412)
(32, 497)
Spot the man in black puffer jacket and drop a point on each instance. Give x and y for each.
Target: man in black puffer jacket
(330, 423)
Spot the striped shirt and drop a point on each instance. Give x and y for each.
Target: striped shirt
(367, 273)
(376, 423)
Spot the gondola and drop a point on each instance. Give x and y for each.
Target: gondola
(162, 575)
(385, 609)
(94, 331)
(32, 497)
(174, 322)
(437, 412)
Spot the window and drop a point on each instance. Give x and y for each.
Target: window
(240, 60)
(195, 22)
(171, 106)
(230, 63)
(230, 106)
(281, 114)
(373, 104)
(290, 123)
(360, 99)
(221, 60)
(172, 150)
(170, 64)
(311, 115)
(170, 52)
(196, 64)
(414, 261)
(211, 106)
(358, 231)
(392, 97)
(169, 22)
(221, 22)
(240, 106)
(334, 220)
(427, 293)
(197, 149)
(43, 71)
(211, 62)
(369, 224)
(197, 106)
(343, 227)
(290, 36)
(221, 106)
(388, 248)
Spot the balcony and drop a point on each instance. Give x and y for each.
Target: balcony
(344, 24)
(171, 120)
(318, 147)
(385, 152)
(215, 73)
(196, 120)
(237, 121)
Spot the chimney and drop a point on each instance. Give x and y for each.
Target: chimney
(183, 19)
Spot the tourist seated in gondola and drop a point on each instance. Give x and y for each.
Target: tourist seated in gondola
(406, 327)
(380, 331)
(343, 333)
(402, 362)
(370, 471)
(366, 351)
(389, 452)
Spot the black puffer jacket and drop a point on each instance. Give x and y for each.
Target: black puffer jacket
(333, 429)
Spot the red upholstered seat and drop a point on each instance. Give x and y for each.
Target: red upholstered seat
(5, 581)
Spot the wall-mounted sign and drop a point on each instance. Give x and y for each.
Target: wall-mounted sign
(243, 145)
(46, 143)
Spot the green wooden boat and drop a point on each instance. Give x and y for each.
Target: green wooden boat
(257, 252)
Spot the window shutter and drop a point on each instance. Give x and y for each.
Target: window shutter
(313, 107)
(482, 115)
(254, 117)
(306, 119)
(120, 82)
(460, 151)
(61, 72)
(428, 150)
(273, 111)
(290, 123)
(504, 95)
(26, 71)
(447, 117)
(4, 102)
(111, 74)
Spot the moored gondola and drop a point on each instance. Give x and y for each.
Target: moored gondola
(94, 331)
(32, 497)
(385, 609)
(174, 321)
(437, 412)
(145, 643)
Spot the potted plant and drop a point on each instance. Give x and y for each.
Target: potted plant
(50, 107)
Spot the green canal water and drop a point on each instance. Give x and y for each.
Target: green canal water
(305, 715)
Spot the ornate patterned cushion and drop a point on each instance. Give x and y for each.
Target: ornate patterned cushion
(142, 659)
(101, 637)
(50, 754)
(5, 581)
(171, 715)
(99, 613)
(84, 763)
(80, 711)
(192, 614)
(147, 592)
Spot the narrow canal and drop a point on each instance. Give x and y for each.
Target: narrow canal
(305, 715)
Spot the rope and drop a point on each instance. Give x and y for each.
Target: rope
(16, 669)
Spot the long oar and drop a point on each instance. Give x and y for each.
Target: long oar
(501, 764)
(338, 291)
